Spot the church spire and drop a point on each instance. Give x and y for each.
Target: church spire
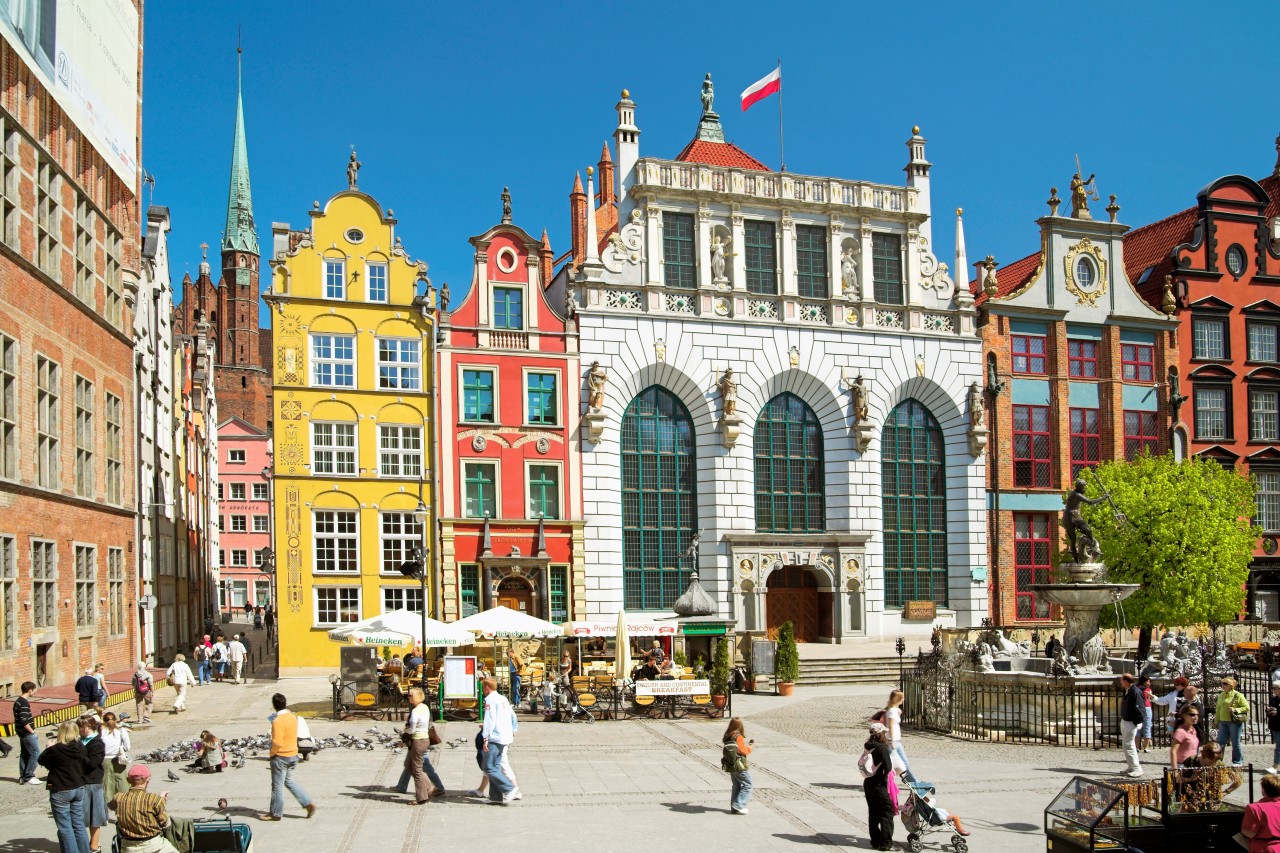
(239, 234)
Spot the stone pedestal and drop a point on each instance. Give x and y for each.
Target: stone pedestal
(593, 423)
(730, 429)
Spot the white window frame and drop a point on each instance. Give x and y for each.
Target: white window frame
(525, 373)
(117, 612)
(261, 492)
(492, 370)
(1268, 519)
(337, 452)
(332, 361)
(239, 558)
(1264, 422)
(344, 536)
(78, 584)
(233, 488)
(326, 267)
(239, 524)
(497, 485)
(50, 580)
(560, 490)
(262, 524)
(236, 457)
(1214, 334)
(403, 591)
(1223, 415)
(398, 454)
(407, 374)
(409, 540)
(386, 280)
(337, 592)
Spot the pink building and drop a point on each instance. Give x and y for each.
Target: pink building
(244, 514)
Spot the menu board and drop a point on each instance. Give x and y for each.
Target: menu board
(459, 677)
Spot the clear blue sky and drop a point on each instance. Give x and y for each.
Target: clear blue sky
(447, 103)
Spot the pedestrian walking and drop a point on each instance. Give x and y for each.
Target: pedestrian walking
(236, 654)
(248, 610)
(417, 763)
(28, 741)
(1172, 702)
(1184, 743)
(876, 764)
(1191, 699)
(203, 656)
(144, 693)
(1273, 725)
(1131, 723)
(180, 677)
(100, 674)
(1051, 647)
(1232, 713)
(95, 803)
(733, 760)
(893, 722)
(269, 620)
(141, 816)
(116, 746)
(87, 687)
(1144, 684)
(514, 665)
(284, 760)
(499, 732)
(482, 790)
(218, 658)
(67, 761)
(257, 618)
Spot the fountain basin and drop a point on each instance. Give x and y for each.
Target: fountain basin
(1083, 595)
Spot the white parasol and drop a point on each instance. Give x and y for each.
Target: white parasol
(400, 628)
(622, 649)
(504, 623)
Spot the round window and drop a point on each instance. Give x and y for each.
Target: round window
(506, 259)
(354, 235)
(1085, 276)
(1235, 260)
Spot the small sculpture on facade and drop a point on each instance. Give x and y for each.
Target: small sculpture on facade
(1084, 546)
(353, 170)
(990, 286)
(708, 95)
(728, 391)
(793, 355)
(596, 380)
(1080, 189)
(849, 274)
(1053, 201)
(976, 412)
(719, 247)
(444, 296)
(506, 206)
(1168, 304)
(1176, 397)
(660, 349)
(570, 302)
(859, 392)
(692, 551)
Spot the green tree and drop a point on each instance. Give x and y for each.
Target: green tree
(787, 663)
(721, 667)
(1184, 532)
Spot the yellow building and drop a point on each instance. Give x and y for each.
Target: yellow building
(354, 331)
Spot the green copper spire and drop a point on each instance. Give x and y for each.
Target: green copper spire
(239, 235)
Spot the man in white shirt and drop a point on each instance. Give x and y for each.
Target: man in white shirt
(236, 653)
(498, 732)
(219, 658)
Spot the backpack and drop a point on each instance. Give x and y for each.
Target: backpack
(867, 765)
(731, 760)
(141, 686)
(217, 653)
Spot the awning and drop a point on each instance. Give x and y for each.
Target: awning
(637, 626)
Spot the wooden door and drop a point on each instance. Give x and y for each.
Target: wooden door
(517, 595)
(793, 597)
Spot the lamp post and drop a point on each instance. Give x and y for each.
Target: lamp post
(269, 564)
(416, 567)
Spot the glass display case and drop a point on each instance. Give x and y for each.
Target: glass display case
(1087, 815)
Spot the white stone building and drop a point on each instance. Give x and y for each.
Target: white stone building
(691, 266)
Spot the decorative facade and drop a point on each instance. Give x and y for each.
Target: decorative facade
(1078, 374)
(775, 371)
(511, 524)
(244, 515)
(354, 473)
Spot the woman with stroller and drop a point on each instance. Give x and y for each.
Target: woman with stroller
(875, 787)
(733, 759)
(893, 722)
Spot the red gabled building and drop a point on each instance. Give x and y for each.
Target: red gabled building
(1221, 263)
(510, 513)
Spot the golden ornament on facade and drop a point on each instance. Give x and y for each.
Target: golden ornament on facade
(1086, 293)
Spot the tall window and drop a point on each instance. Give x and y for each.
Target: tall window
(333, 449)
(914, 476)
(10, 202)
(401, 531)
(84, 437)
(886, 268)
(1211, 413)
(812, 275)
(1139, 434)
(1030, 354)
(659, 499)
(333, 361)
(336, 542)
(44, 584)
(85, 274)
(113, 277)
(1267, 497)
(399, 367)
(336, 605)
(86, 584)
(376, 274)
(1082, 358)
(8, 593)
(400, 451)
(481, 494)
(1137, 362)
(1032, 451)
(1208, 338)
(788, 468)
(1264, 415)
(544, 491)
(1262, 342)
(468, 589)
(1086, 440)
(115, 449)
(678, 266)
(1031, 546)
(541, 391)
(558, 587)
(401, 598)
(477, 396)
(334, 278)
(761, 257)
(48, 219)
(508, 308)
(48, 423)
(8, 407)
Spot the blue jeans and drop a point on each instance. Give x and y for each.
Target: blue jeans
(27, 757)
(1231, 732)
(282, 777)
(1275, 738)
(741, 792)
(515, 691)
(68, 815)
(499, 784)
(406, 777)
(205, 672)
(896, 749)
(1146, 722)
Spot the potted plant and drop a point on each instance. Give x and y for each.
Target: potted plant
(720, 673)
(787, 662)
(749, 673)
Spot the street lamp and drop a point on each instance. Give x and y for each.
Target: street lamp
(267, 562)
(416, 567)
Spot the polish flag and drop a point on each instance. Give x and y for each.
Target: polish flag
(762, 88)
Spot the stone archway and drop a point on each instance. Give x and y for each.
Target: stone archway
(515, 593)
(794, 595)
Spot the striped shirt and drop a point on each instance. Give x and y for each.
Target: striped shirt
(140, 814)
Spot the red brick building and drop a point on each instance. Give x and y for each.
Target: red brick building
(1221, 259)
(1080, 363)
(510, 486)
(69, 255)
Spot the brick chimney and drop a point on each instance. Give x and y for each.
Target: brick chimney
(578, 219)
(608, 192)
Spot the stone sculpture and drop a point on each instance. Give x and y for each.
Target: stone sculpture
(1080, 196)
(506, 205)
(444, 296)
(708, 95)
(976, 413)
(728, 391)
(718, 249)
(849, 274)
(353, 170)
(1084, 546)
(859, 393)
(596, 380)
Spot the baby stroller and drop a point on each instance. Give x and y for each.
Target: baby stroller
(921, 818)
(571, 710)
(213, 835)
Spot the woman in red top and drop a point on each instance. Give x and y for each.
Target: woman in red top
(1262, 819)
(1185, 742)
(741, 792)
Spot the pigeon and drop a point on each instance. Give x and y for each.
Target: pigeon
(238, 762)
(173, 777)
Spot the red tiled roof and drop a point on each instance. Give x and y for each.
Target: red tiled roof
(1152, 246)
(719, 154)
(1009, 278)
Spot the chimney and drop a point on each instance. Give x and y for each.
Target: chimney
(608, 194)
(627, 140)
(546, 260)
(577, 219)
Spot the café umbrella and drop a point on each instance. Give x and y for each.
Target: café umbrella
(503, 623)
(622, 649)
(401, 628)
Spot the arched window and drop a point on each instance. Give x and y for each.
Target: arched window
(659, 499)
(914, 484)
(789, 477)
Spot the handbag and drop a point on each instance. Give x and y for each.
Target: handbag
(433, 736)
(1239, 715)
(406, 738)
(306, 743)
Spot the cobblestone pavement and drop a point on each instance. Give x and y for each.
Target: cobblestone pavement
(606, 786)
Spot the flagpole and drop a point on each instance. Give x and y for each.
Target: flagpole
(782, 151)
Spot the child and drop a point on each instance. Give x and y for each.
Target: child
(1273, 723)
(945, 816)
(548, 693)
(1144, 683)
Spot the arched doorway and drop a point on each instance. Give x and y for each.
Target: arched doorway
(794, 597)
(516, 594)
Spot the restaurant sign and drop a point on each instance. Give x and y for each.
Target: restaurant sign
(645, 628)
(683, 687)
(705, 629)
(459, 677)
